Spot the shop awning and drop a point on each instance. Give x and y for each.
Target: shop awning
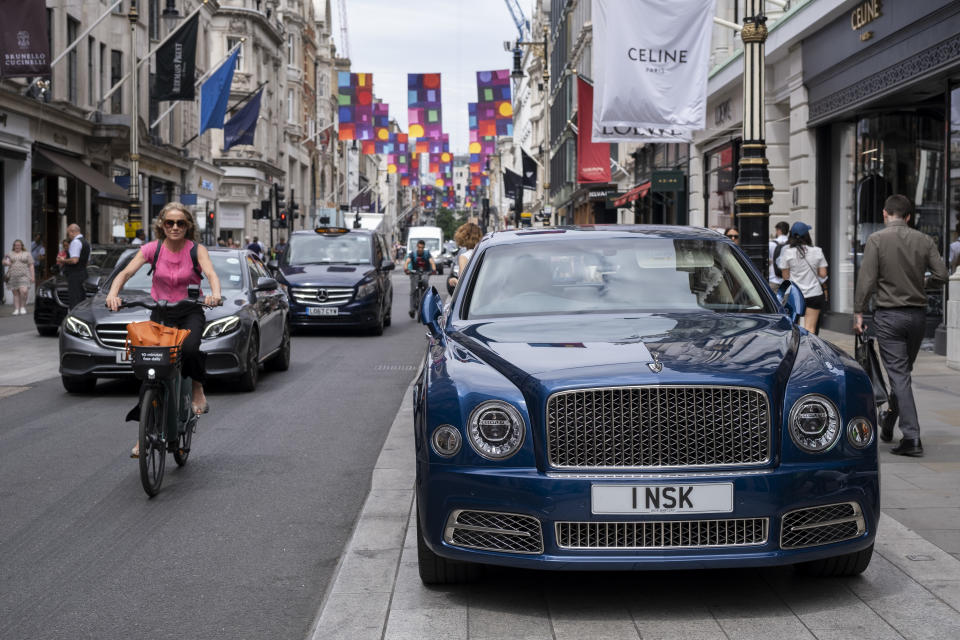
(73, 168)
(633, 195)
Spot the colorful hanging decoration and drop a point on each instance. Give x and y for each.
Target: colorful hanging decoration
(355, 106)
(494, 108)
(424, 107)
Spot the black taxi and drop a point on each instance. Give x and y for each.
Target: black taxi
(337, 277)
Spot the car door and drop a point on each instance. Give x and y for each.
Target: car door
(262, 307)
(386, 282)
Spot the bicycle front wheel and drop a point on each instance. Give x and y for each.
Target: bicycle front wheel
(153, 449)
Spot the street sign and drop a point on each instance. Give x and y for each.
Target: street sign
(667, 181)
(130, 228)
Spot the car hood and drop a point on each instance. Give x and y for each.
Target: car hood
(325, 274)
(94, 310)
(559, 352)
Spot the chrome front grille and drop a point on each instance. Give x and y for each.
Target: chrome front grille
(658, 426)
(113, 336)
(321, 296)
(821, 525)
(63, 297)
(492, 531)
(680, 534)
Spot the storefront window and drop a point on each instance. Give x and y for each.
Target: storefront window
(843, 220)
(953, 195)
(720, 178)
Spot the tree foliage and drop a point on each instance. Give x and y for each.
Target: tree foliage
(448, 221)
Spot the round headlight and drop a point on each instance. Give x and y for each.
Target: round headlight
(446, 440)
(860, 433)
(814, 423)
(496, 430)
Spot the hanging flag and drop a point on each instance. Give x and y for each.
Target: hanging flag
(215, 93)
(424, 108)
(241, 127)
(512, 184)
(494, 108)
(355, 107)
(593, 158)
(24, 42)
(650, 62)
(529, 171)
(177, 63)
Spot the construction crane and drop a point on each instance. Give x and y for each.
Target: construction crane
(344, 39)
(523, 25)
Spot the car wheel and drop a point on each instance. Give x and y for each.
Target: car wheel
(281, 361)
(388, 319)
(850, 564)
(47, 331)
(78, 384)
(377, 328)
(438, 570)
(248, 381)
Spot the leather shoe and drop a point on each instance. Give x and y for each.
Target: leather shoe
(908, 447)
(887, 420)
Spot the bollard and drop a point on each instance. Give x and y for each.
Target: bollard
(953, 322)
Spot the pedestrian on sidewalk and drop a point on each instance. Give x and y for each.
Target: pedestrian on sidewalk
(895, 260)
(774, 275)
(75, 264)
(733, 234)
(19, 276)
(138, 238)
(39, 253)
(804, 265)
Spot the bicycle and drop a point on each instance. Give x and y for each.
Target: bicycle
(167, 422)
(423, 283)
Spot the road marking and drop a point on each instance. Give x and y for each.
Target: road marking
(7, 391)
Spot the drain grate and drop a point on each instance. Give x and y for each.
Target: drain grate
(395, 367)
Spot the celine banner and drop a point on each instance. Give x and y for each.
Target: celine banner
(529, 171)
(177, 64)
(593, 158)
(23, 39)
(650, 62)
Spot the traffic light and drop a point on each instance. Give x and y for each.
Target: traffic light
(211, 218)
(282, 219)
(294, 207)
(266, 207)
(278, 196)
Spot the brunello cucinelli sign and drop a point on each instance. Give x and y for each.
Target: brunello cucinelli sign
(863, 15)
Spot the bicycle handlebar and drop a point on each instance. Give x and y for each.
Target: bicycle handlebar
(153, 306)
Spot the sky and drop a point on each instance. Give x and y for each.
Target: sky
(456, 38)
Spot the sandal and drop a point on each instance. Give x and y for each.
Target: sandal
(202, 410)
(134, 453)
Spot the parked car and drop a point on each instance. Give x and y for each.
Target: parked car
(636, 397)
(449, 254)
(51, 305)
(337, 277)
(250, 329)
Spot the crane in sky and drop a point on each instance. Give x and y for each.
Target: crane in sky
(519, 19)
(344, 38)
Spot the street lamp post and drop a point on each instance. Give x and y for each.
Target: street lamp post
(517, 75)
(754, 191)
(133, 212)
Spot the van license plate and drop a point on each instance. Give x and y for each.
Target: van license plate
(322, 311)
(662, 498)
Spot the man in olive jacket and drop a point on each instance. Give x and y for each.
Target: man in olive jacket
(895, 260)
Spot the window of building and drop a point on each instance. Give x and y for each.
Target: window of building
(73, 30)
(116, 72)
(719, 178)
(153, 23)
(104, 67)
(91, 70)
(231, 43)
(290, 106)
(290, 56)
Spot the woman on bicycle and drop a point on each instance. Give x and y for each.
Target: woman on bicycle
(174, 272)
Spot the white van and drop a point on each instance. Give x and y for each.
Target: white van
(433, 241)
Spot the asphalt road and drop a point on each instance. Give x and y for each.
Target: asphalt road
(240, 543)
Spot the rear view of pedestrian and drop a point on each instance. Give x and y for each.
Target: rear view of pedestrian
(805, 266)
(895, 260)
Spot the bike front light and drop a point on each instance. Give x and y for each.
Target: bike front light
(496, 430)
(77, 327)
(814, 423)
(367, 289)
(221, 327)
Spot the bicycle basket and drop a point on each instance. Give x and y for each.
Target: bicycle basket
(151, 345)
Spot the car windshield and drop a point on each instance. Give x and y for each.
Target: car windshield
(613, 275)
(226, 264)
(347, 248)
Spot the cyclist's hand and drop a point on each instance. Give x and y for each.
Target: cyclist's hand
(213, 301)
(113, 302)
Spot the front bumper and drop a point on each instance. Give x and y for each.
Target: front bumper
(48, 313)
(360, 313)
(553, 498)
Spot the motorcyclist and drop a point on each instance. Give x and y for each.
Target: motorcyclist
(417, 262)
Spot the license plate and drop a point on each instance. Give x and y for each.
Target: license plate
(122, 357)
(322, 311)
(662, 498)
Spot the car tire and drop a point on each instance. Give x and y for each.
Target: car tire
(79, 384)
(438, 570)
(281, 361)
(377, 328)
(248, 381)
(439, 270)
(47, 331)
(850, 564)
(388, 319)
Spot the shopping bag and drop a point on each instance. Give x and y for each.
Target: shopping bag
(866, 355)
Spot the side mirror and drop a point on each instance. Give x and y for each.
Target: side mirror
(387, 264)
(431, 309)
(273, 265)
(791, 298)
(92, 282)
(266, 283)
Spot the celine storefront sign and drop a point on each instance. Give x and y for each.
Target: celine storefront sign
(863, 15)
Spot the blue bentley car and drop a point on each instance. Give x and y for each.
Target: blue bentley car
(636, 398)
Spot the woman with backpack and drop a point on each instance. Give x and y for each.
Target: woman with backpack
(805, 266)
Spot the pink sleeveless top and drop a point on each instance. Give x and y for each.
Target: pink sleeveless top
(173, 273)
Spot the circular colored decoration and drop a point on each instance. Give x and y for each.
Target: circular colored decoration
(505, 109)
(364, 97)
(439, 182)
(474, 147)
(431, 80)
(445, 157)
(391, 168)
(383, 134)
(416, 131)
(484, 76)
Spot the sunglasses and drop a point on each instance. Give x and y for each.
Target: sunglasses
(170, 224)
(733, 236)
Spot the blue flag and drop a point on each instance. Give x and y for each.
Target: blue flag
(241, 127)
(215, 93)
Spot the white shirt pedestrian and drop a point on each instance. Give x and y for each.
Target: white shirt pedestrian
(803, 268)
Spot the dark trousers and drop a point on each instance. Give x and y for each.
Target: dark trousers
(75, 293)
(194, 360)
(899, 335)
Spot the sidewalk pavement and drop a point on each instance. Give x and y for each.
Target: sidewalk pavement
(910, 590)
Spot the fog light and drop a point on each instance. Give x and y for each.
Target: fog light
(860, 433)
(446, 440)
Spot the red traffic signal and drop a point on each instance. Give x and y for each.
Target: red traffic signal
(283, 218)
